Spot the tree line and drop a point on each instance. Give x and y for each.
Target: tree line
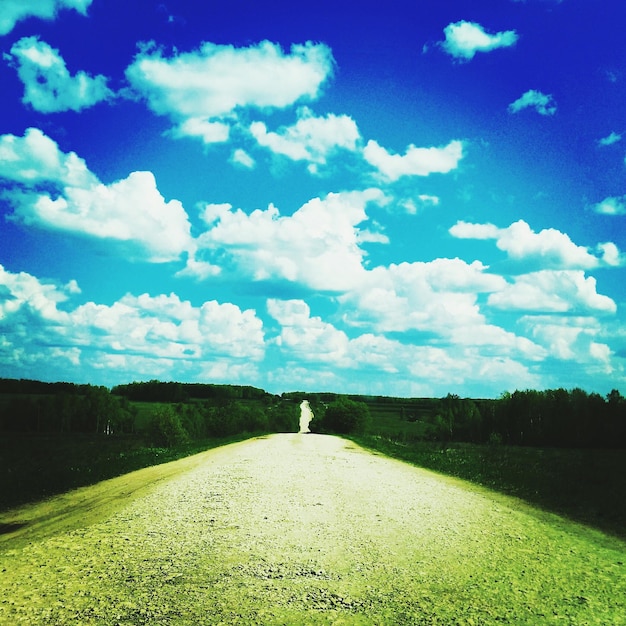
(158, 391)
(174, 424)
(549, 418)
(173, 415)
(186, 412)
(64, 408)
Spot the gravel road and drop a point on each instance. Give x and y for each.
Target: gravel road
(307, 529)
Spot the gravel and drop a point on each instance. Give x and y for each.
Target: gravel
(312, 529)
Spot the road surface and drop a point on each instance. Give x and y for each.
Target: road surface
(301, 529)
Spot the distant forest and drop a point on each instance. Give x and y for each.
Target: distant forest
(170, 412)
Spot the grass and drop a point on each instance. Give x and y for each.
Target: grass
(587, 486)
(33, 467)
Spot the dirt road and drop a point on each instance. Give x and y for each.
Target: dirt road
(302, 529)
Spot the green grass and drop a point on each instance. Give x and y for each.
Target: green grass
(33, 467)
(587, 486)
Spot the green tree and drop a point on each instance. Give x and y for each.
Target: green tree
(347, 416)
(616, 419)
(283, 417)
(457, 418)
(192, 420)
(166, 428)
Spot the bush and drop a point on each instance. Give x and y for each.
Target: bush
(346, 416)
(166, 428)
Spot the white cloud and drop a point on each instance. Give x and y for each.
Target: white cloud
(120, 368)
(230, 373)
(35, 158)
(600, 352)
(496, 340)
(414, 205)
(610, 139)
(317, 246)
(14, 11)
(553, 291)
(26, 291)
(611, 206)
(153, 328)
(307, 338)
(550, 247)
(467, 230)
(465, 39)
(432, 297)
(48, 85)
(611, 255)
(554, 248)
(543, 103)
(393, 365)
(165, 326)
(415, 161)
(131, 210)
(214, 82)
(243, 159)
(311, 138)
(570, 338)
(209, 132)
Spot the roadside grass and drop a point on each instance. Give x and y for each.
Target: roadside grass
(33, 467)
(586, 486)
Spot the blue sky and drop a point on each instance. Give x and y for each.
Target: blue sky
(410, 199)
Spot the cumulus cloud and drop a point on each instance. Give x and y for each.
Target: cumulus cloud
(415, 161)
(311, 138)
(216, 81)
(610, 254)
(48, 85)
(611, 206)
(131, 210)
(14, 11)
(317, 246)
(311, 344)
(568, 337)
(464, 39)
(35, 158)
(151, 328)
(165, 326)
(553, 247)
(543, 103)
(549, 247)
(553, 291)
(22, 290)
(307, 338)
(430, 297)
